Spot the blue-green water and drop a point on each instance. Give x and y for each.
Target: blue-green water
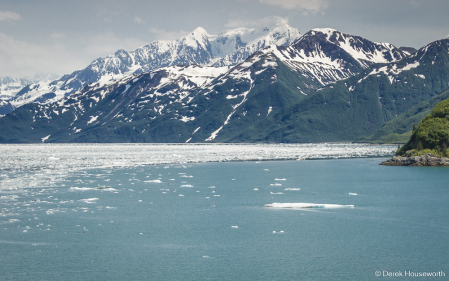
(180, 229)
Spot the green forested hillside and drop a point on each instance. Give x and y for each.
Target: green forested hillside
(432, 133)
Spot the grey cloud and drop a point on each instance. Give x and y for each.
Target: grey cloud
(8, 15)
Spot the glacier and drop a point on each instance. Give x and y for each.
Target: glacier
(48, 165)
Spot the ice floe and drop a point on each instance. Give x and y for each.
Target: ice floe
(307, 205)
(75, 188)
(89, 200)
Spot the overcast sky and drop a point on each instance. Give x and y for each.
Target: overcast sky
(61, 36)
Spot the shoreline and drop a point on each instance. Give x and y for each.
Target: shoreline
(427, 160)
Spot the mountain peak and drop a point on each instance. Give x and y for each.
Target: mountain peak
(325, 30)
(198, 37)
(199, 31)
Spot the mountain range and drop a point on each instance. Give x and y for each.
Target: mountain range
(9, 87)
(225, 49)
(323, 86)
(363, 103)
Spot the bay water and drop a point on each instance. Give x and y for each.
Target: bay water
(207, 221)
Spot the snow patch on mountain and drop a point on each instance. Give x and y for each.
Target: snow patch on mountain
(393, 69)
(357, 47)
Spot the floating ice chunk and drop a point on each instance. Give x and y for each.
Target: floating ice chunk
(14, 220)
(234, 226)
(276, 179)
(307, 205)
(276, 193)
(186, 185)
(180, 194)
(108, 188)
(154, 181)
(256, 188)
(75, 188)
(89, 200)
(274, 231)
(216, 195)
(275, 184)
(45, 138)
(12, 197)
(292, 188)
(351, 193)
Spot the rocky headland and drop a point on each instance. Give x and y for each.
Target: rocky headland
(423, 160)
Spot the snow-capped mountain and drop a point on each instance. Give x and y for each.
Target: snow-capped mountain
(231, 50)
(228, 48)
(361, 104)
(326, 55)
(194, 103)
(203, 103)
(268, 97)
(10, 86)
